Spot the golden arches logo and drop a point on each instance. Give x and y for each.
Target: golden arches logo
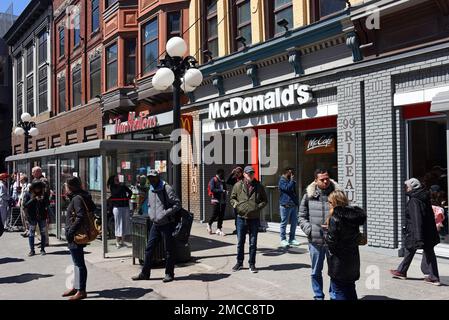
(187, 123)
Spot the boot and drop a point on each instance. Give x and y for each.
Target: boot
(70, 292)
(80, 295)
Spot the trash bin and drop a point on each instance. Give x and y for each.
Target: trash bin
(141, 226)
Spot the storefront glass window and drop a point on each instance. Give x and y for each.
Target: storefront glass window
(428, 161)
(48, 166)
(68, 169)
(304, 152)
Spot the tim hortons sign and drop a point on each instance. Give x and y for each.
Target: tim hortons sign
(134, 123)
(278, 98)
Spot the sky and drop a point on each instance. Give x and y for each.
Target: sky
(19, 5)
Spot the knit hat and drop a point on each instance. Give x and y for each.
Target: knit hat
(413, 184)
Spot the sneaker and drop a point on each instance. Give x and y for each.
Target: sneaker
(237, 267)
(295, 243)
(140, 276)
(43, 253)
(220, 233)
(168, 278)
(209, 229)
(253, 269)
(398, 275)
(284, 243)
(31, 253)
(435, 282)
(119, 245)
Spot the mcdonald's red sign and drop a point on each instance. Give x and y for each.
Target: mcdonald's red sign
(187, 123)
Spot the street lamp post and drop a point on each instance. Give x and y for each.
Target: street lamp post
(181, 73)
(27, 128)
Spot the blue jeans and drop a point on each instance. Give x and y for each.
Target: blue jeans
(287, 214)
(42, 227)
(245, 226)
(161, 233)
(80, 268)
(317, 255)
(342, 290)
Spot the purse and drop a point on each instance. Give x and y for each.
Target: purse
(89, 230)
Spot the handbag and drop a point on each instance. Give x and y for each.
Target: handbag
(89, 230)
(362, 239)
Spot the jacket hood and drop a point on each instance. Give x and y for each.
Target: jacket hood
(420, 194)
(82, 193)
(350, 214)
(312, 188)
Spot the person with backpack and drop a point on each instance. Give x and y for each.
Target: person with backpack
(217, 191)
(78, 211)
(163, 206)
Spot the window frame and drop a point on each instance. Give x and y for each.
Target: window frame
(128, 57)
(145, 66)
(93, 72)
(108, 63)
(43, 93)
(178, 33)
(315, 14)
(93, 9)
(206, 39)
(75, 71)
(42, 43)
(30, 89)
(29, 53)
(62, 90)
(235, 27)
(19, 64)
(76, 34)
(61, 41)
(270, 14)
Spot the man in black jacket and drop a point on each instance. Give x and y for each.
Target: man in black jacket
(420, 232)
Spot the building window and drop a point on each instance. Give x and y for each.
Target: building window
(323, 8)
(42, 54)
(30, 95)
(61, 94)
(43, 88)
(95, 77)
(241, 23)
(19, 101)
(30, 64)
(111, 66)
(109, 3)
(76, 29)
(150, 46)
(278, 10)
(95, 15)
(173, 24)
(61, 41)
(130, 61)
(19, 69)
(210, 27)
(76, 87)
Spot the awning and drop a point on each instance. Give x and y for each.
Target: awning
(105, 145)
(440, 103)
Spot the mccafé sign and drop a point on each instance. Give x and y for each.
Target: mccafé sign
(277, 98)
(134, 123)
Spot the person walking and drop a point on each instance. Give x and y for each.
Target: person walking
(4, 198)
(25, 188)
(288, 206)
(37, 174)
(36, 208)
(313, 209)
(120, 195)
(235, 176)
(248, 198)
(80, 206)
(163, 204)
(420, 232)
(342, 238)
(217, 191)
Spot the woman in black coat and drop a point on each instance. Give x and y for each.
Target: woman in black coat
(120, 195)
(80, 204)
(343, 237)
(420, 232)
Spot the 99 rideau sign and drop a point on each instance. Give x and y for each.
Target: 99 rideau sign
(348, 125)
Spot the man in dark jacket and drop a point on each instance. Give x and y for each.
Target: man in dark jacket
(313, 211)
(163, 204)
(288, 206)
(420, 232)
(217, 187)
(248, 198)
(235, 176)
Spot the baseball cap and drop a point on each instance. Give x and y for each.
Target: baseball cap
(153, 173)
(249, 169)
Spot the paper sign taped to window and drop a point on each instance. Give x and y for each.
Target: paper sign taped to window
(121, 178)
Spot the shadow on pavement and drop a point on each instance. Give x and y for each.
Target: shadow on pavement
(372, 297)
(119, 293)
(285, 267)
(59, 253)
(10, 260)
(23, 278)
(205, 277)
(201, 243)
(280, 251)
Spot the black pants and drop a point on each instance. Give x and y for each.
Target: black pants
(218, 214)
(428, 263)
(161, 233)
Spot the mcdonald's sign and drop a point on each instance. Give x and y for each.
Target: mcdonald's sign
(187, 123)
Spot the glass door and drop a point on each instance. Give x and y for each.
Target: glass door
(68, 167)
(48, 166)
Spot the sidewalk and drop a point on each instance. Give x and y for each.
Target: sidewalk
(283, 274)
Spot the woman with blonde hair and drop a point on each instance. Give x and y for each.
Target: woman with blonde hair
(343, 238)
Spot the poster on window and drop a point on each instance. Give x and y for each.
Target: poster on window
(163, 166)
(157, 165)
(126, 165)
(94, 173)
(320, 143)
